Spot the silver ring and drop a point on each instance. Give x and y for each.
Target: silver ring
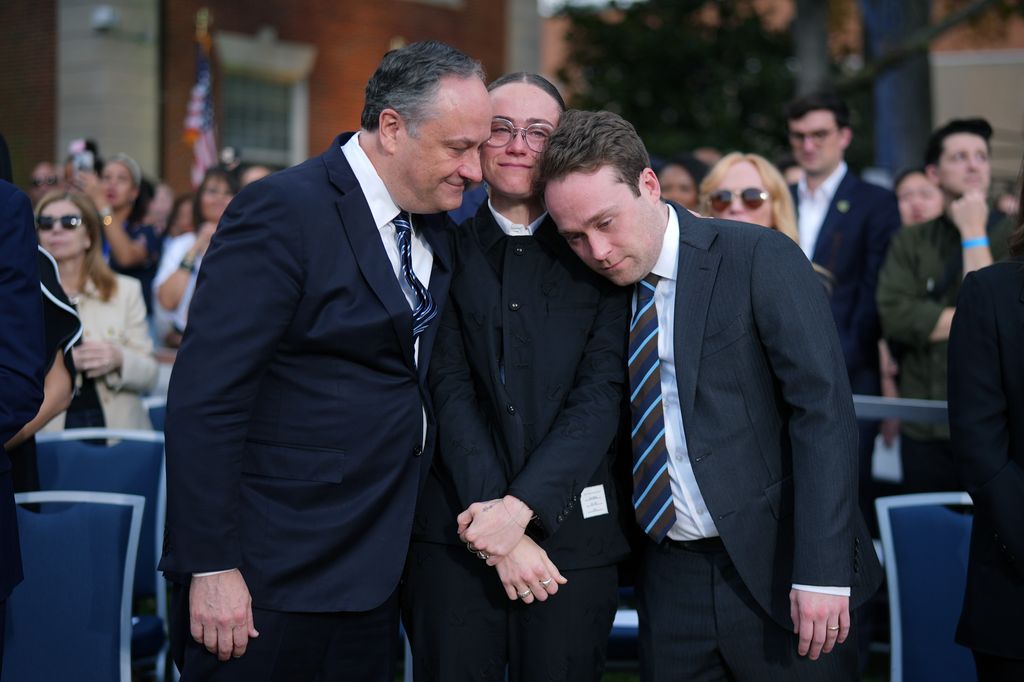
(471, 548)
(545, 583)
(483, 555)
(832, 628)
(525, 593)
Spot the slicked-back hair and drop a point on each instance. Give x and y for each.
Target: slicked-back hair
(533, 79)
(407, 80)
(937, 140)
(819, 101)
(585, 141)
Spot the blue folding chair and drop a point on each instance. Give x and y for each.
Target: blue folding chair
(70, 619)
(925, 546)
(132, 464)
(156, 406)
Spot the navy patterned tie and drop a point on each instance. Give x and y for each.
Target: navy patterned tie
(425, 310)
(652, 494)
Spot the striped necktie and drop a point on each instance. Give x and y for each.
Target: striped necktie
(425, 310)
(652, 494)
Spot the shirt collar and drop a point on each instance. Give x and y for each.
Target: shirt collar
(382, 206)
(515, 229)
(667, 266)
(827, 189)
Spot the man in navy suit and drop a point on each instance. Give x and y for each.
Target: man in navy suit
(299, 428)
(845, 225)
(22, 363)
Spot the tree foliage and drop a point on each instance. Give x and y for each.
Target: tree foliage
(686, 73)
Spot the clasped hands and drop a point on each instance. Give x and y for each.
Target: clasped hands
(495, 531)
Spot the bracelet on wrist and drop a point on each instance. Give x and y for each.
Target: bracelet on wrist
(974, 243)
(188, 263)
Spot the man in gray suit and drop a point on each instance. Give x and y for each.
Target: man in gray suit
(754, 552)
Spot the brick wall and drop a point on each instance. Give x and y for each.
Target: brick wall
(350, 37)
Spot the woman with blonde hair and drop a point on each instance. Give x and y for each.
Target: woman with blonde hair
(748, 188)
(115, 358)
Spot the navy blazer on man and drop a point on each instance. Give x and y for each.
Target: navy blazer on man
(854, 236)
(295, 442)
(22, 357)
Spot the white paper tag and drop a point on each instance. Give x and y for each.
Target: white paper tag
(593, 502)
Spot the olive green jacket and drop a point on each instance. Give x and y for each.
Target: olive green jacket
(921, 275)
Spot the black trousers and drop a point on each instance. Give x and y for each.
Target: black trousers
(927, 465)
(296, 647)
(699, 622)
(463, 627)
(998, 669)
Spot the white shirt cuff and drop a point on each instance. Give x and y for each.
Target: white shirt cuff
(834, 591)
(226, 570)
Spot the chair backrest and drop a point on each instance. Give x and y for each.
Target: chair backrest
(156, 406)
(925, 546)
(71, 616)
(134, 465)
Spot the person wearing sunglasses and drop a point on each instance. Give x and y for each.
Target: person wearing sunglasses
(528, 382)
(44, 178)
(114, 360)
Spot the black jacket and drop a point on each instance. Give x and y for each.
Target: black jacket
(528, 382)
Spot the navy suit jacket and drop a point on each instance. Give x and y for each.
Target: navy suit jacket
(851, 244)
(22, 356)
(986, 423)
(295, 410)
(767, 412)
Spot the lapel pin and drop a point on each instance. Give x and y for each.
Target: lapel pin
(842, 205)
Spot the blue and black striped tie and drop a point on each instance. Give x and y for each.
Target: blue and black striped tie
(425, 310)
(652, 493)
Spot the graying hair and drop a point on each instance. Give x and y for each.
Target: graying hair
(407, 81)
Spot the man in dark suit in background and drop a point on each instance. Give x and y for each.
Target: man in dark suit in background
(744, 436)
(299, 429)
(845, 225)
(22, 362)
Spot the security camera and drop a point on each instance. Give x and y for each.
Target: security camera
(105, 18)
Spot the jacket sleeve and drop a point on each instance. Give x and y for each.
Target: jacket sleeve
(978, 414)
(22, 345)
(466, 449)
(907, 314)
(794, 324)
(255, 260)
(573, 449)
(138, 369)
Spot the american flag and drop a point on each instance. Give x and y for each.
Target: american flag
(199, 117)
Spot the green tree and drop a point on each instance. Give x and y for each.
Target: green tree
(683, 74)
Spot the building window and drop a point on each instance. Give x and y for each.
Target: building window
(257, 119)
(264, 96)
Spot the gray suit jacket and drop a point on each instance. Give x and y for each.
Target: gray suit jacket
(768, 412)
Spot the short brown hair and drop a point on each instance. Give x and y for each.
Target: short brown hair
(585, 141)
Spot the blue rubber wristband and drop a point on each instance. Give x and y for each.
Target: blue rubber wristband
(971, 243)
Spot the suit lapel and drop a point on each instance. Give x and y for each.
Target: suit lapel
(698, 268)
(830, 238)
(364, 239)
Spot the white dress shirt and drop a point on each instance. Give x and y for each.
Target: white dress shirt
(693, 521)
(813, 206)
(515, 229)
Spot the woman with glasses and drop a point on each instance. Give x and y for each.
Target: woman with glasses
(748, 188)
(518, 530)
(175, 281)
(114, 360)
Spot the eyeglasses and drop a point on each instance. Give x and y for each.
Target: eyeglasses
(751, 197)
(503, 132)
(48, 180)
(815, 136)
(68, 222)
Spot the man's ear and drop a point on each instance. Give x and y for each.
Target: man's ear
(931, 171)
(389, 128)
(845, 137)
(649, 185)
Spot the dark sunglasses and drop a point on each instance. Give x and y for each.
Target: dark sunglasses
(49, 180)
(68, 222)
(751, 197)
